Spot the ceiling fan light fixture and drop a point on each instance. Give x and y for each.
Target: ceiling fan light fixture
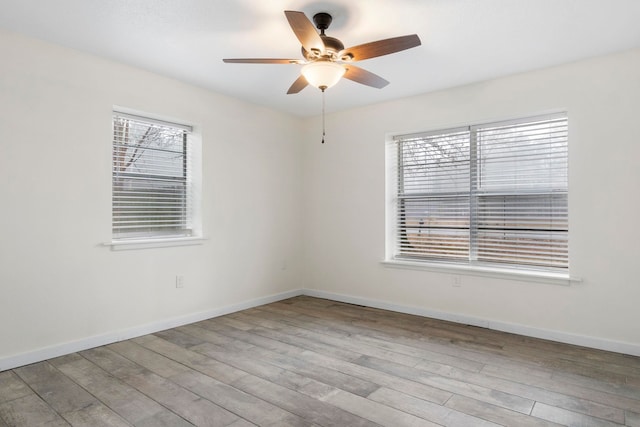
(323, 74)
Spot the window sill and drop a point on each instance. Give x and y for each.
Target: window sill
(498, 273)
(123, 245)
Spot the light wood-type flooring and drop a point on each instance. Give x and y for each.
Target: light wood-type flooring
(307, 361)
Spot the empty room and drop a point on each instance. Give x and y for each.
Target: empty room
(319, 213)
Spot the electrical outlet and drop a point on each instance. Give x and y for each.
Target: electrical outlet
(457, 281)
(179, 281)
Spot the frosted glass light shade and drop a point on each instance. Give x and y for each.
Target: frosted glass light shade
(323, 74)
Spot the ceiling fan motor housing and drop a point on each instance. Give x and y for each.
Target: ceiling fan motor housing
(331, 44)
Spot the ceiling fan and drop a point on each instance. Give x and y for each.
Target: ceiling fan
(326, 60)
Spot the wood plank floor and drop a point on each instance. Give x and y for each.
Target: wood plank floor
(308, 361)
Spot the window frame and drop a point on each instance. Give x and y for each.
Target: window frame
(469, 264)
(188, 231)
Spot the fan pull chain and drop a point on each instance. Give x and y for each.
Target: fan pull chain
(323, 127)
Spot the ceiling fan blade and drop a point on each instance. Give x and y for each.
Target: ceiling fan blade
(305, 31)
(380, 47)
(262, 61)
(298, 85)
(364, 77)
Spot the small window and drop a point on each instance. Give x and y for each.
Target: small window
(485, 195)
(151, 179)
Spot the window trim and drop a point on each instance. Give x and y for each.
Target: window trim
(524, 275)
(467, 266)
(131, 244)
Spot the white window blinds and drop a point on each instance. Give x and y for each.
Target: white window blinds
(486, 194)
(150, 178)
(433, 195)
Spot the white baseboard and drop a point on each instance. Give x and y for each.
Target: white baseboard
(137, 331)
(547, 334)
(111, 337)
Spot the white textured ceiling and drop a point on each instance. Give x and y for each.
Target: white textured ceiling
(463, 41)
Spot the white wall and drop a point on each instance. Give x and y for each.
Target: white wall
(345, 204)
(282, 211)
(58, 283)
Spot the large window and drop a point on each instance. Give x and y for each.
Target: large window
(151, 179)
(486, 195)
